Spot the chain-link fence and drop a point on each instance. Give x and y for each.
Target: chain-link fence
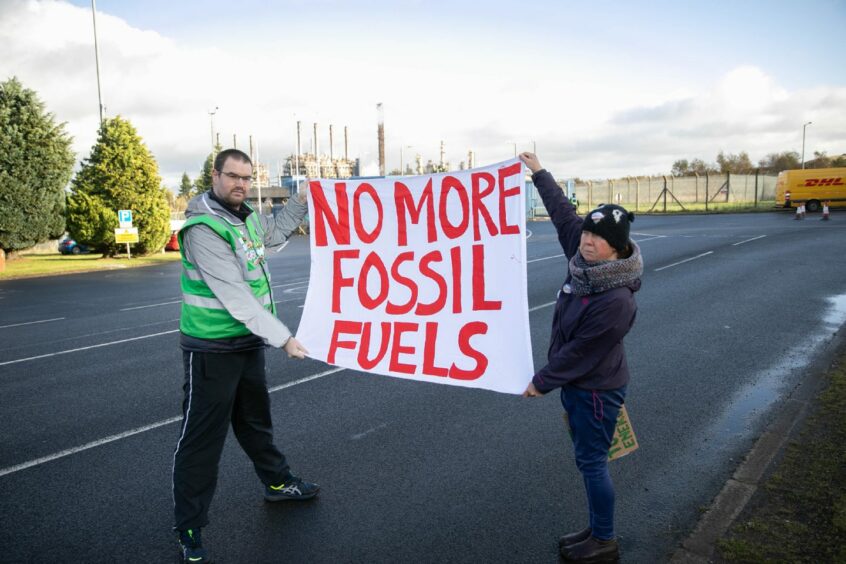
(707, 192)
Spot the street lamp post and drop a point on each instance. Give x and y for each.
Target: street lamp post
(211, 122)
(97, 58)
(803, 142)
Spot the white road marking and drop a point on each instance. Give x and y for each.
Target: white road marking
(747, 240)
(290, 283)
(138, 430)
(295, 289)
(531, 309)
(650, 238)
(528, 233)
(32, 322)
(369, 431)
(685, 260)
(87, 348)
(545, 258)
(288, 300)
(151, 305)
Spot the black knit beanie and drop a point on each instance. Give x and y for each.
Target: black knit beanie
(612, 223)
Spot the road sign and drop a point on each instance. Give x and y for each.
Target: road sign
(125, 218)
(126, 235)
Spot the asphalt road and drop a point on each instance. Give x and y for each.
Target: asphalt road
(731, 309)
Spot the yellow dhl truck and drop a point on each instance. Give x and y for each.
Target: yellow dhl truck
(812, 187)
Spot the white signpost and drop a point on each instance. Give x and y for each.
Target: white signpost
(126, 233)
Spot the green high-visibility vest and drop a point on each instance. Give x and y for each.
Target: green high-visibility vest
(203, 316)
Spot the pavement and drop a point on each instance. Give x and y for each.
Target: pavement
(762, 459)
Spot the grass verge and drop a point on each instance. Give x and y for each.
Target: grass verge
(799, 515)
(30, 266)
(738, 207)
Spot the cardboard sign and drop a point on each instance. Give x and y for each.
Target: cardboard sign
(623, 442)
(422, 277)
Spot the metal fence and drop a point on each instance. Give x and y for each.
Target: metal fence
(652, 193)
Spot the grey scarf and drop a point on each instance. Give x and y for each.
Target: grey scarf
(592, 278)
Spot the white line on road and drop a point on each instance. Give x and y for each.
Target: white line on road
(359, 436)
(179, 301)
(298, 298)
(684, 261)
(290, 284)
(544, 258)
(87, 348)
(304, 380)
(650, 238)
(747, 240)
(125, 434)
(151, 305)
(31, 322)
(531, 309)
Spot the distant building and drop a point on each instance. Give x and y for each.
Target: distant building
(311, 166)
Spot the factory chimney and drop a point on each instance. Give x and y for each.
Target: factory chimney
(316, 150)
(346, 144)
(381, 137)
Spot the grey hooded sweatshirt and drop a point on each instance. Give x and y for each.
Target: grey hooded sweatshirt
(220, 270)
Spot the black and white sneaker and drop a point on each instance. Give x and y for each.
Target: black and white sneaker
(293, 488)
(191, 547)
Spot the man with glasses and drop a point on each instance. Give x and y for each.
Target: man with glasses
(228, 317)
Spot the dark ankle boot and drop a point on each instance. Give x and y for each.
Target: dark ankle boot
(592, 551)
(573, 538)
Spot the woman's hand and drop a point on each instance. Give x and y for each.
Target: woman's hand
(531, 391)
(531, 161)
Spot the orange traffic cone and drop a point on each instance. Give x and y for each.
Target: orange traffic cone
(798, 212)
(825, 212)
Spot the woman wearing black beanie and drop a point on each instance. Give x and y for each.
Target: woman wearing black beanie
(594, 311)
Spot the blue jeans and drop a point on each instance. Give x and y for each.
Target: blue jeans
(592, 415)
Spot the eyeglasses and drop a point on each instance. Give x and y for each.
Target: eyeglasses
(237, 177)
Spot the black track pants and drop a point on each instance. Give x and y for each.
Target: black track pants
(221, 388)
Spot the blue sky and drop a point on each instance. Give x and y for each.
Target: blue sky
(603, 88)
(797, 41)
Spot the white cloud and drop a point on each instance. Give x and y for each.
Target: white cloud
(587, 120)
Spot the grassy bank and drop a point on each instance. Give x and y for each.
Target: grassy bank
(799, 515)
(29, 266)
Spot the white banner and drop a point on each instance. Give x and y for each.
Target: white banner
(422, 277)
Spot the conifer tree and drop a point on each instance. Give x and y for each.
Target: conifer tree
(204, 181)
(185, 187)
(36, 161)
(120, 174)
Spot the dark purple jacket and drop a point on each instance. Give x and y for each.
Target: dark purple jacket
(586, 346)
